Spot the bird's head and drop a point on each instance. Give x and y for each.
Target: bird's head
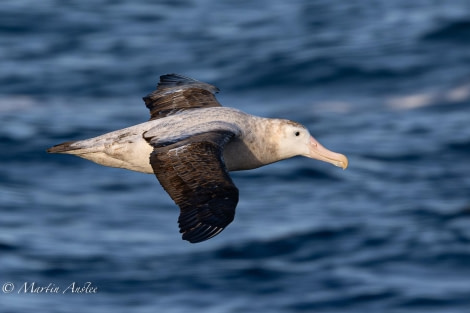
(296, 140)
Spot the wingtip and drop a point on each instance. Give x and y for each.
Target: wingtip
(174, 80)
(201, 234)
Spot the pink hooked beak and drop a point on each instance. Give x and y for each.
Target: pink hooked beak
(317, 151)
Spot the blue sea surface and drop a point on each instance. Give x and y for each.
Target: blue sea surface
(386, 83)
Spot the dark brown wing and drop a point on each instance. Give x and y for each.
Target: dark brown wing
(176, 93)
(193, 173)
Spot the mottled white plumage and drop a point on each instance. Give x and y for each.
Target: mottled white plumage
(191, 142)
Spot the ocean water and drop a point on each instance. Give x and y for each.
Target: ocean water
(386, 82)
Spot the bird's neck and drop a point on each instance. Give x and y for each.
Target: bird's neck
(255, 148)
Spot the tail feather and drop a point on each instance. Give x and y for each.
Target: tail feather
(63, 147)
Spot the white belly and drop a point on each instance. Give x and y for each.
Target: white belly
(123, 148)
(127, 148)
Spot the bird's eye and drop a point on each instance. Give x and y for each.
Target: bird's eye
(297, 133)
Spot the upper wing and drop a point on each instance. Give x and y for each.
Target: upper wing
(193, 173)
(175, 93)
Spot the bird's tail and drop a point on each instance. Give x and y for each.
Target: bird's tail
(65, 147)
(79, 147)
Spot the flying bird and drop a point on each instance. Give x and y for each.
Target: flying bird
(191, 143)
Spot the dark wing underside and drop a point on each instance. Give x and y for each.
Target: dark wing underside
(176, 93)
(193, 173)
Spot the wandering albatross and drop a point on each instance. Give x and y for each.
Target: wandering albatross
(191, 143)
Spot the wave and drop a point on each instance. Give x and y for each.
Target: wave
(286, 175)
(288, 73)
(456, 31)
(463, 147)
(289, 245)
(6, 247)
